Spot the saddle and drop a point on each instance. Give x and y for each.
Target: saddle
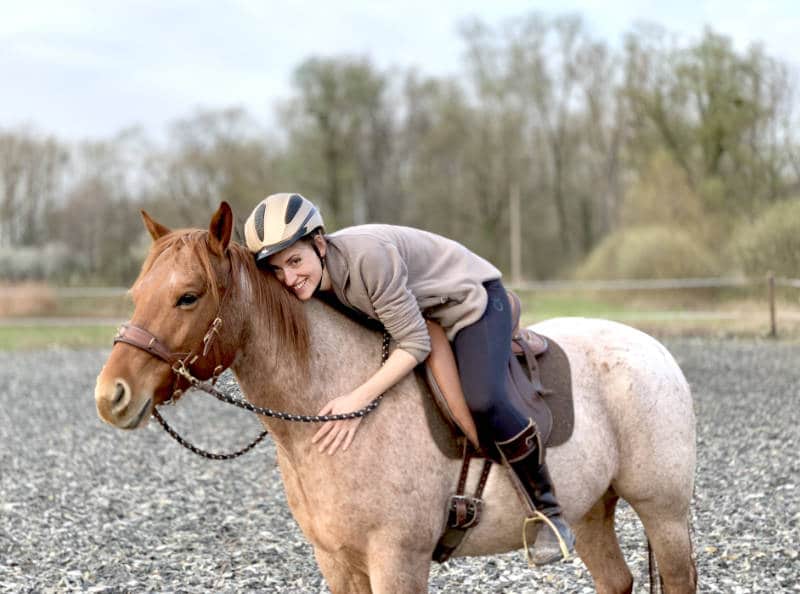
(542, 389)
(540, 378)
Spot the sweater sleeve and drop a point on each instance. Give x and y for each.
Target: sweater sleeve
(385, 276)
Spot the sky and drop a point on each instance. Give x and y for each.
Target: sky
(88, 69)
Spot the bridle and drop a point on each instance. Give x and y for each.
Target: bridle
(180, 363)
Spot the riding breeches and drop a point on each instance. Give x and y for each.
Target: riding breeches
(483, 354)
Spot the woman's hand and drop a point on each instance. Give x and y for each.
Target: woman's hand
(339, 433)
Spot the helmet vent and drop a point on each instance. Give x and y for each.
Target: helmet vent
(259, 220)
(295, 202)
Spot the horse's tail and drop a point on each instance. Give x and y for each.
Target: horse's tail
(656, 583)
(652, 569)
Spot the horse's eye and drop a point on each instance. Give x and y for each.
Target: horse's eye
(186, 299)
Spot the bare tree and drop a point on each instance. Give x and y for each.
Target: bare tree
(212, 156)
(32, 169)
(341, 116)
(535, 80)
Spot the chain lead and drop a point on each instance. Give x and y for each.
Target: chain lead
(200, 452)
(181, 370)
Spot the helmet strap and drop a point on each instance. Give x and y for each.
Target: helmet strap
(322, 262)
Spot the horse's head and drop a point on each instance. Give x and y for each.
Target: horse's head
(186, 277)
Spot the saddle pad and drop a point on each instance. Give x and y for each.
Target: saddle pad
(556, 377)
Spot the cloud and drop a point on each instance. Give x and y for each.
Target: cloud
(88, 67)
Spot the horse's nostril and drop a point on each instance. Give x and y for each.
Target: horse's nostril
(119, 392)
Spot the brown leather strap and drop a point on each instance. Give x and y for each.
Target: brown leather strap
(487, 466)
(463, 512)
(144, 340)
(465, 460)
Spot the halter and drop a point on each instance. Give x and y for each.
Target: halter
(180, 363)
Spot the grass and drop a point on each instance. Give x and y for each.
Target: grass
(34, 317)
(721, 314)
(718, 314)
(541, 307)
(29, 337)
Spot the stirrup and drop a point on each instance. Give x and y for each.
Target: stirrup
(540, 517)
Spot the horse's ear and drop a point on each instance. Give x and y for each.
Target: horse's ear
(155, 228)
(219, 231)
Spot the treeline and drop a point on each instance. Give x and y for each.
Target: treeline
(694, 139)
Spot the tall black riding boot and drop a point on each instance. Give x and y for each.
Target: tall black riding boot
(524, 454)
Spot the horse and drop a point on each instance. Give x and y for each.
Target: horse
(374, 512)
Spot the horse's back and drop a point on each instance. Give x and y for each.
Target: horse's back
(616, 352)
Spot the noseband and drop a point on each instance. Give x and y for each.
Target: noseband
(180, 363)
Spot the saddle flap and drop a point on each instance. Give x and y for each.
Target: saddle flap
(527, 396)
(441, 373)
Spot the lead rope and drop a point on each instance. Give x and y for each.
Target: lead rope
(208, 388)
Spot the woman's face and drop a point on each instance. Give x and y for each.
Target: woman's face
(299, 268)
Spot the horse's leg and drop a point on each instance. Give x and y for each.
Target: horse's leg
(395, 571)
(598, 548)
(341, 577)
(667, 529)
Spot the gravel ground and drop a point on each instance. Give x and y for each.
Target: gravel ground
(87, 508)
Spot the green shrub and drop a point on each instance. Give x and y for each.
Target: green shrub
(772, 242)
(649, 252)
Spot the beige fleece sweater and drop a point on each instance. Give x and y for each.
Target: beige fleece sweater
(400, 275)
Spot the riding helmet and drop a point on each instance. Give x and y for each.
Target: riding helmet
(277, 222)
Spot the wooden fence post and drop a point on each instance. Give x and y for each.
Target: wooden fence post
(773, 331)
(515, 235)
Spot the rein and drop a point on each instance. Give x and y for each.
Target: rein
(180, 364)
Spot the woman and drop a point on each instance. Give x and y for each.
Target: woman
(399, 276)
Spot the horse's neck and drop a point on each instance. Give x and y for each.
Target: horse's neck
(343, 355)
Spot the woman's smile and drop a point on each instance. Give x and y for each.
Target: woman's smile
(300, 268)
(299, 285)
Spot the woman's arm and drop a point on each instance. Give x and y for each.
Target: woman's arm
(335, 433)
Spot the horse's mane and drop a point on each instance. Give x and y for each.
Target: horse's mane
(286, 320)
